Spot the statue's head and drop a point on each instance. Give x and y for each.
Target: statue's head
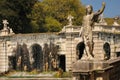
(89, 9)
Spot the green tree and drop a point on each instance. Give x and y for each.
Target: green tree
(5, 12)
(37, 17)
(60, 9)
(27, 16)
(16, 11)
(52, 24)
(51, 15)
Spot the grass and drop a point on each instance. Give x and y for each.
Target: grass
(63, 75)
(35, 74)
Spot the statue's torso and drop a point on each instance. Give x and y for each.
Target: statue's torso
(87, 24)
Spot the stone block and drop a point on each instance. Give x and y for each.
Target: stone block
(82, 66)
(89, 65)
(99, 65)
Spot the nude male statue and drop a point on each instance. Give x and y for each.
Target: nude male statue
(86, 31)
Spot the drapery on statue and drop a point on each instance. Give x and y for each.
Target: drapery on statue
(86, 31)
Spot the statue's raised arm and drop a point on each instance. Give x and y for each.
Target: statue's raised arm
(101, 10)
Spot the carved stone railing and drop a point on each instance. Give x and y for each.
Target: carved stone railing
(107, 29)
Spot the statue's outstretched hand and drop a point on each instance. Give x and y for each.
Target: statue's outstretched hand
(103, 3)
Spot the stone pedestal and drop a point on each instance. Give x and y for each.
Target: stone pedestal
(96, 70)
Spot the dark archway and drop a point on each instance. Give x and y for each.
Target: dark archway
(80, 50)
(62, 62)
(37, 55)
(118, 54)
(107, 50)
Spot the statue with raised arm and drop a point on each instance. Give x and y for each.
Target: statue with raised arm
(88, 23)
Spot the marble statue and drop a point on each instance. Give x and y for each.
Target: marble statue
(86, 31)
(6, 29)
(70, 19)
(5, 23)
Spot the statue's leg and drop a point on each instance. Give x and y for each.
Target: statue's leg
(85, 52)
(91, 44)
(91, 48)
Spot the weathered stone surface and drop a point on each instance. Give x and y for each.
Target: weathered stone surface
(82, 66)
(95, 69)
(89, 65)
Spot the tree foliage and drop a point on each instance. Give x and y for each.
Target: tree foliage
(27, 16)
(16, 11)
(110, 21)
(52, 24)
(37, 17)
(51, 15)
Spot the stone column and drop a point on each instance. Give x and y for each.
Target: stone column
(98, 47)
(3, 57)
(113, 47)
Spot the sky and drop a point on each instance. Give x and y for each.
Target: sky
(112, 6)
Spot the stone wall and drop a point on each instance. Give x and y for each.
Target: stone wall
(68, 39)
(9, 43)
